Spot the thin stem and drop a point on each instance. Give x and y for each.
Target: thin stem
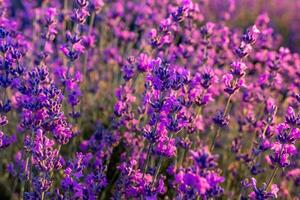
(180, 160)
(65, 22)
(92, 23)
(147, 160)
(276, 168)
(214, 139)
(23, 182)
(265, 130)
(43, 195)
(22, 190)
(67, 77)
(157, 170)
(253, 140)
(58, 150)
(227, 105)
(28, 162)
(272, 177)
(219, 129)
(150, 147)
(181, 157)
(87, 51)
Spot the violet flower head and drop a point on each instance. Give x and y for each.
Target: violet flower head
(286, 134)
(143, 62)
(206, 78)
(246, 46)
(181, 12)
(162, 75)
(291, 118)
(96, 5)
(270, 111)
(116, 99)
(221, 120)
(238, 69)
(204, 159)
(251, 35)
(201, 179)
(231, 84)
(284, 147)
(3, 121)
(79, 15)
(261, 193)
(82, 3)
(207, 29)
(6, 141)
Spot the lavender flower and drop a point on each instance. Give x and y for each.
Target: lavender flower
(119, 99)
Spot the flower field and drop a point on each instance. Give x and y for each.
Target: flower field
(149, 99)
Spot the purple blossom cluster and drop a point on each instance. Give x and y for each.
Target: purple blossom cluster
(147, 99)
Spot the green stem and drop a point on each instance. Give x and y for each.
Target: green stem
(227, 105)
(276, 168)
(92, 23)
(65, 22)
(43, 196)
(253, 140)
(265, 130)
(181, 157)
(157, 170)
(87, 52)
(22, 190)
(272, 177)
(214, 139)
(23, 182)
(28, 162)
(219, 129)
(67, 77)
(147, 160)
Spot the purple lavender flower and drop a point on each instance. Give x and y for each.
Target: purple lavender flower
(261, 193)
(221, 120)
(116, 99)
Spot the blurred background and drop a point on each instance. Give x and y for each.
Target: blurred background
(284, 14)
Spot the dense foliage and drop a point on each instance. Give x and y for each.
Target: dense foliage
(146, 99)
